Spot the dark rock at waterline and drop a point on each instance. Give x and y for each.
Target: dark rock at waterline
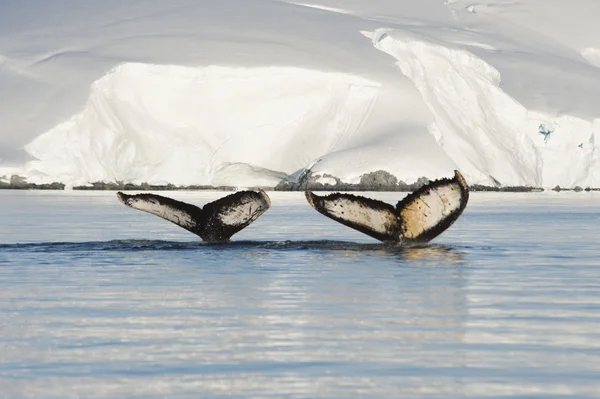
(20, 183)
(379, 180)
(505, 189)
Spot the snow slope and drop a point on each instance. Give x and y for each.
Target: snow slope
(244, 92)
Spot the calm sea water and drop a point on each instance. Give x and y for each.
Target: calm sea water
(101, 301)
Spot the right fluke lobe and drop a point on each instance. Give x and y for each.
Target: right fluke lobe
(418, 218)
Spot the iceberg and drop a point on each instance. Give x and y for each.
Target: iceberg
(202, 126)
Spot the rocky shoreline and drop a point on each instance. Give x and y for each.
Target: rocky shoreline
(375, 181)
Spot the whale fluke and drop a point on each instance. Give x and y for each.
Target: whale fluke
(418, 218)
(217, 221)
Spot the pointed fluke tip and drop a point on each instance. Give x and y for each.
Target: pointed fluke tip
(122, 197)
(460, 177)
(265, 196)
(461, 180)
(310, 198)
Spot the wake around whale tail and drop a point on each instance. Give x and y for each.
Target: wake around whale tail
(216, 221)
(418, 218)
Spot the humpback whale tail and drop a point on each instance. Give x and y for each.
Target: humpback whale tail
(418, 218)
(215, 222)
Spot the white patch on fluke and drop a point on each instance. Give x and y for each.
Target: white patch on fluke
(248, 209)
(426, 211)
(377, 219)
(164, 211)
(239, 214)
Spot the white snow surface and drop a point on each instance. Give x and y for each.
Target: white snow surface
(196, 125)
(244, 92)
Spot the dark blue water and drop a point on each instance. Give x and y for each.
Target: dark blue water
(98, 300)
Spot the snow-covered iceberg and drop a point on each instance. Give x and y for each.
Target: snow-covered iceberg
(203, 126)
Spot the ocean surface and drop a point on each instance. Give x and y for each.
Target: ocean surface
(98, 300)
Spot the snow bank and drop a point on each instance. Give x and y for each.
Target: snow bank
(208, 125)
(492, 138)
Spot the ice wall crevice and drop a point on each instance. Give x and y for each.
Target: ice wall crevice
(182, 125)
(490, 135)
